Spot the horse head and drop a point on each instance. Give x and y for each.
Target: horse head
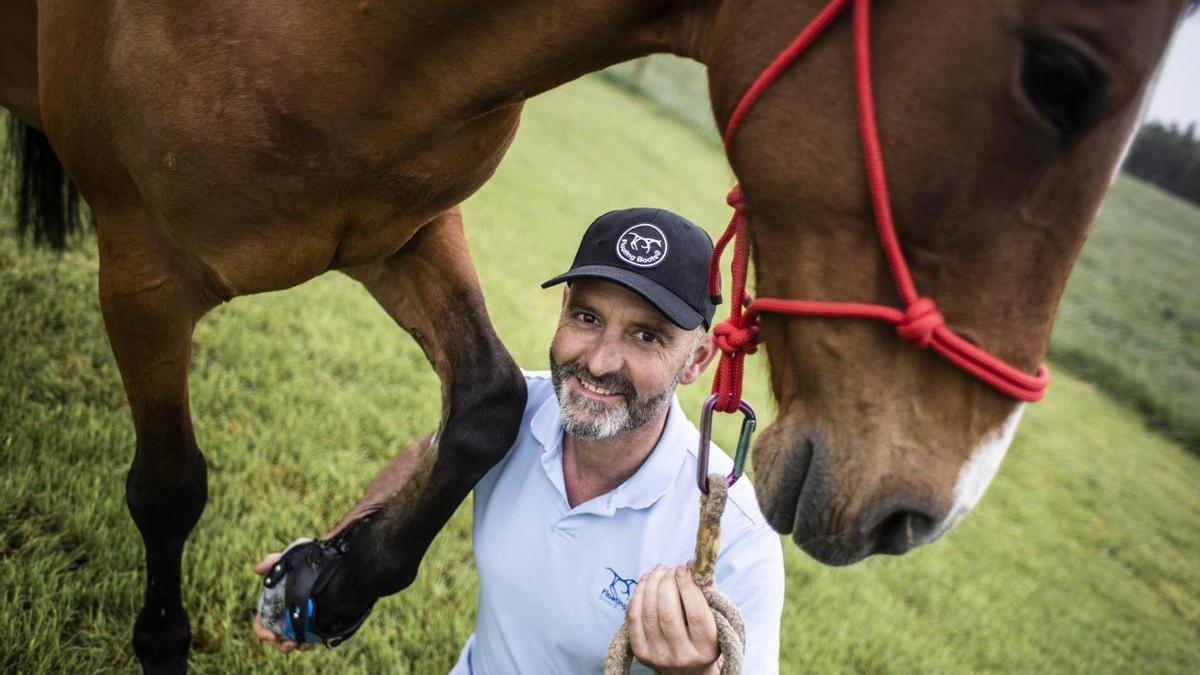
(1001, 123)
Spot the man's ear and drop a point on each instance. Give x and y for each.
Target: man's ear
(698, 361)
(566, 295)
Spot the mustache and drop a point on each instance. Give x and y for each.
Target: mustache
(612, 381)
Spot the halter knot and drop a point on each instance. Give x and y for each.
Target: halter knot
(919, 322)
(733, 339)
(735, 198)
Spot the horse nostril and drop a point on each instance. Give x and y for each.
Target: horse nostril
(899, 531)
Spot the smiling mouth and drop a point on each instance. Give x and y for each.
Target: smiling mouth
(595, 391)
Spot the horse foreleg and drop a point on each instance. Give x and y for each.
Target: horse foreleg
(149, 309)
(429, 287)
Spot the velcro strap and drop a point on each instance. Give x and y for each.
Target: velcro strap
(305, 569)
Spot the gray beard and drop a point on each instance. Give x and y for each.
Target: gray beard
(584, 418)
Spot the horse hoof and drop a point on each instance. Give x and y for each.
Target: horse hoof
(175, 667)
(161, 640)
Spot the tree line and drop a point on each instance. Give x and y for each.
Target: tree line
(1169, 157)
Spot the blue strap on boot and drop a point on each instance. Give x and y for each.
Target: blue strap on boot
(286, 606)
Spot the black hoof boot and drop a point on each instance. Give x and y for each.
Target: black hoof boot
(287, 605)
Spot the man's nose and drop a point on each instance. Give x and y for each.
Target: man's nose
(606, 357)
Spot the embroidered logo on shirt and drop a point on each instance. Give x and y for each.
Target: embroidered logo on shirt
(619, 590)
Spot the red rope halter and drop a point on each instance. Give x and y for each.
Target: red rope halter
(920, 322)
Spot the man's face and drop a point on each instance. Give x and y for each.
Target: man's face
(615, 359)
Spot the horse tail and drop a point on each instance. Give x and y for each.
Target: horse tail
(47, 202)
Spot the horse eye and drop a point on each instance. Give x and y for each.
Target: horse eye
(1063, 85)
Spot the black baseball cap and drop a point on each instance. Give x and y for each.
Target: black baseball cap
(659, 255)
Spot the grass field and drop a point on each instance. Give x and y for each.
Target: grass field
(1084, 556)
(1130, 319)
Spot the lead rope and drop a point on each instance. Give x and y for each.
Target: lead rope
(731, 632)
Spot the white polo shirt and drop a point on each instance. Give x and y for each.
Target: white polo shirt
(554, 581)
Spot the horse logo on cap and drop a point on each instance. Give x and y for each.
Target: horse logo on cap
(642, 245)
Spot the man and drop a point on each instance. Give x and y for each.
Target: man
(599, 487)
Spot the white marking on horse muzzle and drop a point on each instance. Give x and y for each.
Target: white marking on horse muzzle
(977, 473)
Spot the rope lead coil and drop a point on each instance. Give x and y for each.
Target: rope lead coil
(731, 632)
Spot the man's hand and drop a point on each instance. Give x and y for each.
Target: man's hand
(264, 633)
(671, 627)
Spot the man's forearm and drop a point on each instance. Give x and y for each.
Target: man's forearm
(386, 483)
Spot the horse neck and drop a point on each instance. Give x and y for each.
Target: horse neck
(512, 51)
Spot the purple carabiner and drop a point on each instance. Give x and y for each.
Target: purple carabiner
(749, 421)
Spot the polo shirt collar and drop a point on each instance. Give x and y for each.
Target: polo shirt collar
(652, 479)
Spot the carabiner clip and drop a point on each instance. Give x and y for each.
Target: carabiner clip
(749, 421)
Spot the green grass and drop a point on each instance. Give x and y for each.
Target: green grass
(1082, 558)
(1130, 320)
(673, 84)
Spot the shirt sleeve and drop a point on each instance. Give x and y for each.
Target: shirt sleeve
(750, 574)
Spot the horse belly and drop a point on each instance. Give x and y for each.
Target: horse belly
(281, 227)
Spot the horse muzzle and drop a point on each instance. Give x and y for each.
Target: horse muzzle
(829, 513)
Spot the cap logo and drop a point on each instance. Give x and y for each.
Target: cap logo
(642, 245)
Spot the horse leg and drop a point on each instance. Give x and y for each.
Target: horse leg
(429, 287)
(150, 306)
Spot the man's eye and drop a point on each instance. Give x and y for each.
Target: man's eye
(648, 337)
(585, 317)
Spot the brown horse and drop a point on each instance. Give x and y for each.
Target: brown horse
(232, 148)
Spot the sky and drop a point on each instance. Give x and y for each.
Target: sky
(1177, 98)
